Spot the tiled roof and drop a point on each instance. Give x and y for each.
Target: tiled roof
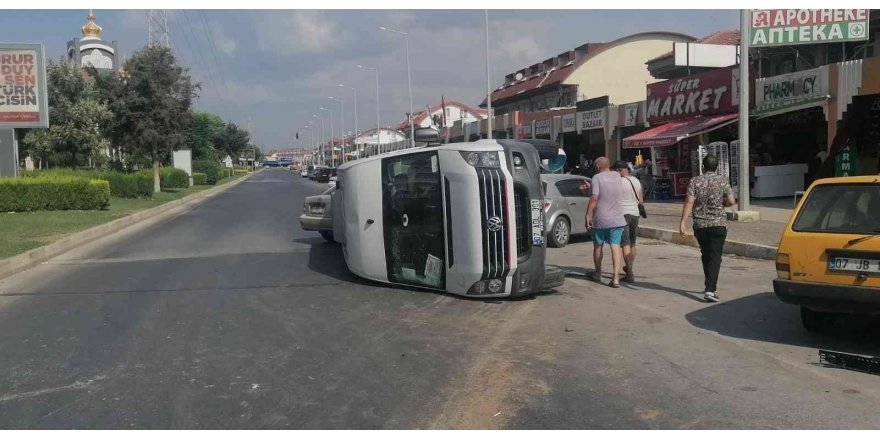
(420, 116)
(727, 38)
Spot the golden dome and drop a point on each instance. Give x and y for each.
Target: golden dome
(90, 29)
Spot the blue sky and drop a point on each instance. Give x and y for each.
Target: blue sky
(275, 68)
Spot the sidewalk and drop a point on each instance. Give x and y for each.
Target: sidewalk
(754, 240)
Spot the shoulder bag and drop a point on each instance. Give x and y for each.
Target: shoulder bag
(642, 212)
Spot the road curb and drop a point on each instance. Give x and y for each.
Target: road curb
(750, 250)
(14, 264)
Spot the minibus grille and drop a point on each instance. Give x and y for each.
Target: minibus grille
(494, 222)
(523, 222)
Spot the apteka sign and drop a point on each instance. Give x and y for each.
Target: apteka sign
(23, 97)
(781, 27)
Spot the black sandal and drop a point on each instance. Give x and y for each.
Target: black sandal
(613, 284)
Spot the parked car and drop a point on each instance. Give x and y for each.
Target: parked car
(829, 256)
(317, 214)
(324, 175)
(565, 205)
(313, 170)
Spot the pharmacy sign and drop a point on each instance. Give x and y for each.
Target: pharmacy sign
(782, 27)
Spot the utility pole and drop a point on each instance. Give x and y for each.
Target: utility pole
(412, 129)
(332, 153)
(378, 127)
(744, 111)
(488, 84)
(341, 123)
(355, 117)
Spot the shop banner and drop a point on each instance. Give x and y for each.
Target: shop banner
(591, 119)
(23, 97)
(542, 127)
(845, 162)
(569, 122)
(792, 91)
(527, 130)
(703, 94)
(630, 114)
(782, 27)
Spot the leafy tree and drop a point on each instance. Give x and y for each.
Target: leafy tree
(160, 94)
(76, 117)
(202, 132)
(114, 92)
(231, 140)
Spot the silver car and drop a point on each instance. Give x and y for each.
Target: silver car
(565, 206)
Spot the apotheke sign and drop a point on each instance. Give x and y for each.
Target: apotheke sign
(779, 27)
(792, 91)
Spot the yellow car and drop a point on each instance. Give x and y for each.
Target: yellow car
(829, 256)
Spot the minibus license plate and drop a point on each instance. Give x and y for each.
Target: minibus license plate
(537, 223)
(316, 210)
(844, 264)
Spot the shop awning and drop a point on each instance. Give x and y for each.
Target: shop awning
(672, 132)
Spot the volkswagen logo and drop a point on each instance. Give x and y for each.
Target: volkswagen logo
(493, 224)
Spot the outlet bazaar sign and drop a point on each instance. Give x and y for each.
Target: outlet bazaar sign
(778, 27)
(591, 119)
(703, 94)
(792, 91)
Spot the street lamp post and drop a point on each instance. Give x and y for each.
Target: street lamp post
(488, 84)
(378, 127)
(332, 153)
(412, 129)
(355, 116)
(341, 123)
(321, 142)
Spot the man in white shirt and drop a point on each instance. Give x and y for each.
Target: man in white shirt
(632, 196)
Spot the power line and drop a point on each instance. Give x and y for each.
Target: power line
(196, 55)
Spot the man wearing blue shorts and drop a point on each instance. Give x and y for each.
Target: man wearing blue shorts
(605, 219)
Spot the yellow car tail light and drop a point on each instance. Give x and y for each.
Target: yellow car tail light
(783, 267)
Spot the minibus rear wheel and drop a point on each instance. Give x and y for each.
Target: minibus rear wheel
(327, 235)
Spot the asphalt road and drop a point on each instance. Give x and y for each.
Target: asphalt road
(230, 316)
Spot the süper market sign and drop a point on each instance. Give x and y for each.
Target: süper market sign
(778, 27)
(23, 98)
(703, 94)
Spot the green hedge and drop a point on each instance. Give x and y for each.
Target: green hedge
(200, 179)
(213, 171)
(173, 178)
(53, 193)
(124, 185)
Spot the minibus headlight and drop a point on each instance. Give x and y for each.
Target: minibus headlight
(487, 159)
(495, 286)
(473, 159)
(478, 288)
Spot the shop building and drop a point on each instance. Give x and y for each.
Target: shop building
(594, 69)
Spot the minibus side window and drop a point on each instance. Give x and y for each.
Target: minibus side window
(412, 212)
